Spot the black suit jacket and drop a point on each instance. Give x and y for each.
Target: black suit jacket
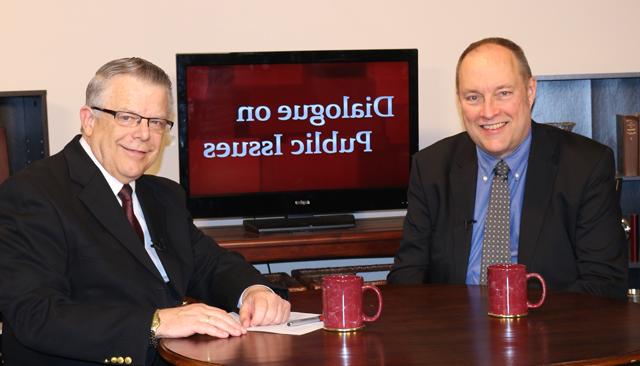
(570, 228)
(76, 284)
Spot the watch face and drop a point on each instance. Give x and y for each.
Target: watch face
(155, 322)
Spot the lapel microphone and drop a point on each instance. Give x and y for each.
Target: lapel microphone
(159, 245)
(468, 223)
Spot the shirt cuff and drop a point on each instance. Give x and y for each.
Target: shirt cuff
(245, 290)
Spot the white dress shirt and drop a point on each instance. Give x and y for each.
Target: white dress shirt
(116, 186)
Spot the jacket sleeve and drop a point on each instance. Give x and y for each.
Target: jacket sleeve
(600, 249)
(220, 276)
(411, 260)
(37, 299)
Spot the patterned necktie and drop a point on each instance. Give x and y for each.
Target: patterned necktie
(495, 244)
(127, 206)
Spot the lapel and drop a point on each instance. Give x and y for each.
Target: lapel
(541, 175)
(102, 203)
(462, 179)
(155, 216)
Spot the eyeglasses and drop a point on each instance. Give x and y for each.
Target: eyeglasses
(128, 119)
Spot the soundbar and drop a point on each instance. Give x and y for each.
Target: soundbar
(307, 223)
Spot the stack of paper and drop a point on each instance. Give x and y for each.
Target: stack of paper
(284, 328)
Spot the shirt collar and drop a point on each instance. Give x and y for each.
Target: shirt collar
(516, 160)
(114, 184)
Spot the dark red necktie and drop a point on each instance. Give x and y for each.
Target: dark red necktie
(127, 206)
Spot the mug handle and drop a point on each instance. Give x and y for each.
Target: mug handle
(544, 290)
(365, 317)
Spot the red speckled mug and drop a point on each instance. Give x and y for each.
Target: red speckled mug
(342, 302)
(508, 290)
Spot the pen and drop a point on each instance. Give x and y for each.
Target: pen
(304, 321)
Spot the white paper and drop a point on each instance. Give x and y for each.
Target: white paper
(284, 328)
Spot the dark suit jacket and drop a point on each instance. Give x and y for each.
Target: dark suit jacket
(77, 286)
(570, 228)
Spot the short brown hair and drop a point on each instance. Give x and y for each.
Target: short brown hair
(523, 64)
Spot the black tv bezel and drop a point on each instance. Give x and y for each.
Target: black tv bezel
(282, 204)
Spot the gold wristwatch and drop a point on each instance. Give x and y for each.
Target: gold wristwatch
(155, 324)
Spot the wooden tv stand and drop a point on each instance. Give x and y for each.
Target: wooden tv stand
(379, 237)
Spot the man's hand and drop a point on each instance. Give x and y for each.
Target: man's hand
(261, 306)
(187, 320)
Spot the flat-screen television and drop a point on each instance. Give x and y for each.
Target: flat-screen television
(283, 134)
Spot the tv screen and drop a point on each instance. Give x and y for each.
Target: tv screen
(301, 132)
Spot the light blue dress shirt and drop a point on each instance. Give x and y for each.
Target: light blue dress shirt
(517, 161)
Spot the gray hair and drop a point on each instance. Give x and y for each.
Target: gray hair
(133, 66)
(523, 64)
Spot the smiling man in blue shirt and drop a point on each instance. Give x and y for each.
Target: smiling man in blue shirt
(564, 217)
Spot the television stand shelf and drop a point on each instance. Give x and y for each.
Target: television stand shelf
(379, 237)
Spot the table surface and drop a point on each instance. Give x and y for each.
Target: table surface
(439, 325)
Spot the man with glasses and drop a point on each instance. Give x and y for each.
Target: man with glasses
(97, 257)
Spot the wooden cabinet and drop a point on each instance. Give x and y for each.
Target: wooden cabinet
(379, 237)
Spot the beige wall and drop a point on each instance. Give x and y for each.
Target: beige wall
(57, 45)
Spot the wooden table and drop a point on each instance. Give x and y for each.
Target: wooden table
(439, 325)
(379, 237)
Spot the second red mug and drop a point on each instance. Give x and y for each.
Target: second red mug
(508, 290)
(342, 302)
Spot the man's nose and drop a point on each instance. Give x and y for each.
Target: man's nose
(489, 108)
(142, 129)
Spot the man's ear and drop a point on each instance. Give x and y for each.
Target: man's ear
(531, 91)
(87, 120)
